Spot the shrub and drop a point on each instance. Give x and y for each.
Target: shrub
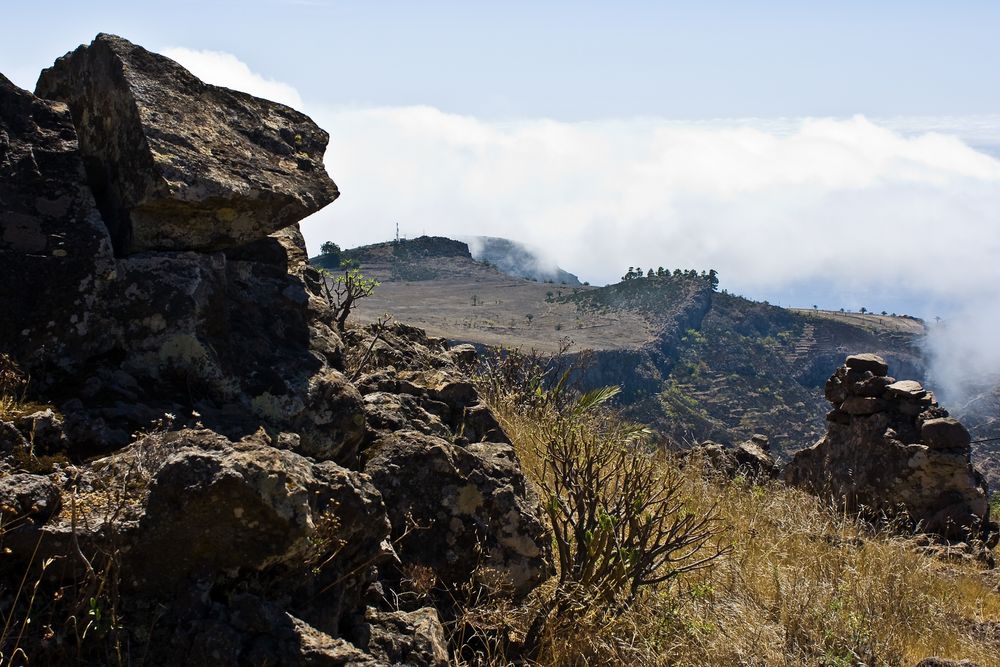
(617, 510)
(618, 517)
(347, 290)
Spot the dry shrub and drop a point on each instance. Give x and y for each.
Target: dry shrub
(13, 384)
(803, 584)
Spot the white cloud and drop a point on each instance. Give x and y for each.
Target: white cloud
(897, 210)
(843, 200)
(225, 69)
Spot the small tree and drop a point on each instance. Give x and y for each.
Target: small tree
(347, 290)
(863, 310)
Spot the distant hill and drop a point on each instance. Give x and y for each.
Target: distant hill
(693, 362)
(519, 260)
(722, 367)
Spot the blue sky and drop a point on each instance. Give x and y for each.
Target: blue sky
(567, 60)
(844, 154)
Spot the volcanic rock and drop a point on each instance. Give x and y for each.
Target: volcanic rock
(751, 459)
(178, 164)
(478, 520)
(28, 496)
(203, 436)
(871, 363)
(56, 259)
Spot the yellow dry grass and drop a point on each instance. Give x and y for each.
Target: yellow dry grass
(802, 586)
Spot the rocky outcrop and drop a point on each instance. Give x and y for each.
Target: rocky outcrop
(751, 459)
(892, 451)
(220, 313)
(463, 511)
(178, 164)
(197, 460)
(49, 226)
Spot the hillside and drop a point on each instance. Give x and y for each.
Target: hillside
(695, 363)
(434, 283)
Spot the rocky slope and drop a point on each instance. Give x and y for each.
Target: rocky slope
(192, 469)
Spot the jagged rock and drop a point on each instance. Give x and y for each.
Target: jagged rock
(472, 515)
(871, 363)
(440, 385)
(51, 238)
(255, 633)
(331, 424)
(406, 638)
(895, 455)
(285, 247)
(28, 496)
(181, 332)
(463, 354)
(479, 424)
(397, 412)
(178, 164)
(861, 405)
(11, 439)
(907, 388)
(751, 459)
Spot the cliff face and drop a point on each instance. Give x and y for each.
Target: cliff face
(192, 451)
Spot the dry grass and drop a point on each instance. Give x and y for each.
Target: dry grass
(802, 585)
(13, 384)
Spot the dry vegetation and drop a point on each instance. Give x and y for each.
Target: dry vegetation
(468, 300)
(798, 584)
(13, 384)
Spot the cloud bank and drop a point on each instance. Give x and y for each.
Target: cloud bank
(899, 214)
(841, 200)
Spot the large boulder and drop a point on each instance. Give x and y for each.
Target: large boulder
(466, 513)
(56, 258)
(214, 506)
(892, 451)
(178, 164)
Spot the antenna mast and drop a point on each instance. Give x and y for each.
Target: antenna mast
(397, 233)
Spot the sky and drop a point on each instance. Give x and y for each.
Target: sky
(840, 154)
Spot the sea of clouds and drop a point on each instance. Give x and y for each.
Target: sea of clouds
(901, 214)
